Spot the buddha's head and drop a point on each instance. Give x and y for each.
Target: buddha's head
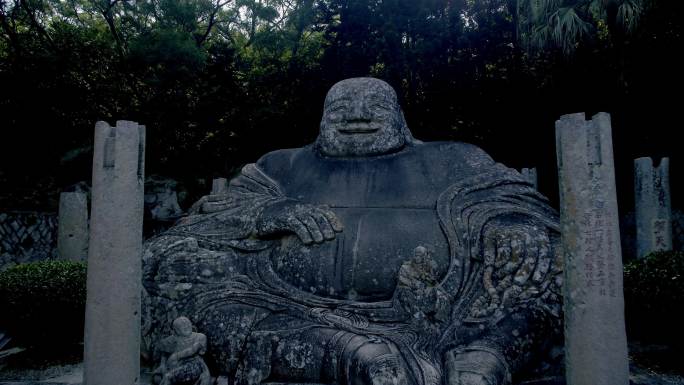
(362, 117)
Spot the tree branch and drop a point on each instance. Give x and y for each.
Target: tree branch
(212, 20)
(108, 15)
(35, 24)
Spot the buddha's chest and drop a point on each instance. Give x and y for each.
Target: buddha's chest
(387, 206)
(363, 261)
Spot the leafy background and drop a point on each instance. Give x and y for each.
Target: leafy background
(220, 82)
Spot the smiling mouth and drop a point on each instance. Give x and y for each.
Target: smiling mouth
(357, 130)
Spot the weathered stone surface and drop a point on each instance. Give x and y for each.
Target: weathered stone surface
(530, 174)
(181, 361)
(161, 199)
(595, 340)
(367, 257)
(219, 186)
(72, 239)
(112, 320)
(653, 208)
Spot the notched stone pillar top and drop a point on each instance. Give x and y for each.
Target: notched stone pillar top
(130, 137)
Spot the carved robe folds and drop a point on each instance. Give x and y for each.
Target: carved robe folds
(275, 309)
(366, 258)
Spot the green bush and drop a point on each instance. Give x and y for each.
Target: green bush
(654, 298)
(44, 302)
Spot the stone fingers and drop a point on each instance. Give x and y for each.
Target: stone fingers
(312, 227)
(335, 223)
(544, 258)
(490, 251)
(507, 253)
(531, 253)
(296, 225)
(311, 224)
(324, 225)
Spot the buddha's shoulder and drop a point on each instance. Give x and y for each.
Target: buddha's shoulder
(454, 151)
(460, 152)
(284, 157)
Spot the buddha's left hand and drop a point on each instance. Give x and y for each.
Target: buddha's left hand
(517, 258)
(521, 251)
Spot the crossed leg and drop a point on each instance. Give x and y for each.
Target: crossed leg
(314, 354)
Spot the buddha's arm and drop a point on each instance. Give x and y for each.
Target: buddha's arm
(198, 347)
(521, 283)
(256, 206)
(309, 222)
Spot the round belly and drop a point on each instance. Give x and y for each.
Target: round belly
(362, 262)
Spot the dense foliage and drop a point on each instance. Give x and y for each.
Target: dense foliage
(45, 301)
(654, 295)
(220, 82)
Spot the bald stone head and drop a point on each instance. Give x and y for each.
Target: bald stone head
(182, 326)
(362, 117)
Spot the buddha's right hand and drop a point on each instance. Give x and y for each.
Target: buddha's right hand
(309, 222)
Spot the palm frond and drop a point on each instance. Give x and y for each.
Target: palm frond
(536, 9)
(597, 10)
(540, 37)
(567, 28)
(628, 14)
(551, 6)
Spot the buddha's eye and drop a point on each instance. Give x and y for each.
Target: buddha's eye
(380, 106)
(336, 109)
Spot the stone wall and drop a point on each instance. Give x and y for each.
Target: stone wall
(27, 237)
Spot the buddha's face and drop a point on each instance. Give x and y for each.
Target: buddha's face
(361, 117)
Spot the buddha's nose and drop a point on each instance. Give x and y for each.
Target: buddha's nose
(359, 112)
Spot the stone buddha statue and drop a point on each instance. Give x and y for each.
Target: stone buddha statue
(366, 257)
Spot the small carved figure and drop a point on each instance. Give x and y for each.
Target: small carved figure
(419, 292)
(181, 361)
(420, 271)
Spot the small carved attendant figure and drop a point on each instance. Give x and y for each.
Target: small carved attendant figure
(419, 292)
(420, 271)
(181, 362)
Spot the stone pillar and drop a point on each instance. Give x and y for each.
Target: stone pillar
(219, 186)
(531, 175)
(595, 339)
(112, 321)
(72, 229)
(653, 209)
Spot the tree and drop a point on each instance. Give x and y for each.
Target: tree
(566, 23)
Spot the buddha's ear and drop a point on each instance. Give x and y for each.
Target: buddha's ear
(408, 137)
